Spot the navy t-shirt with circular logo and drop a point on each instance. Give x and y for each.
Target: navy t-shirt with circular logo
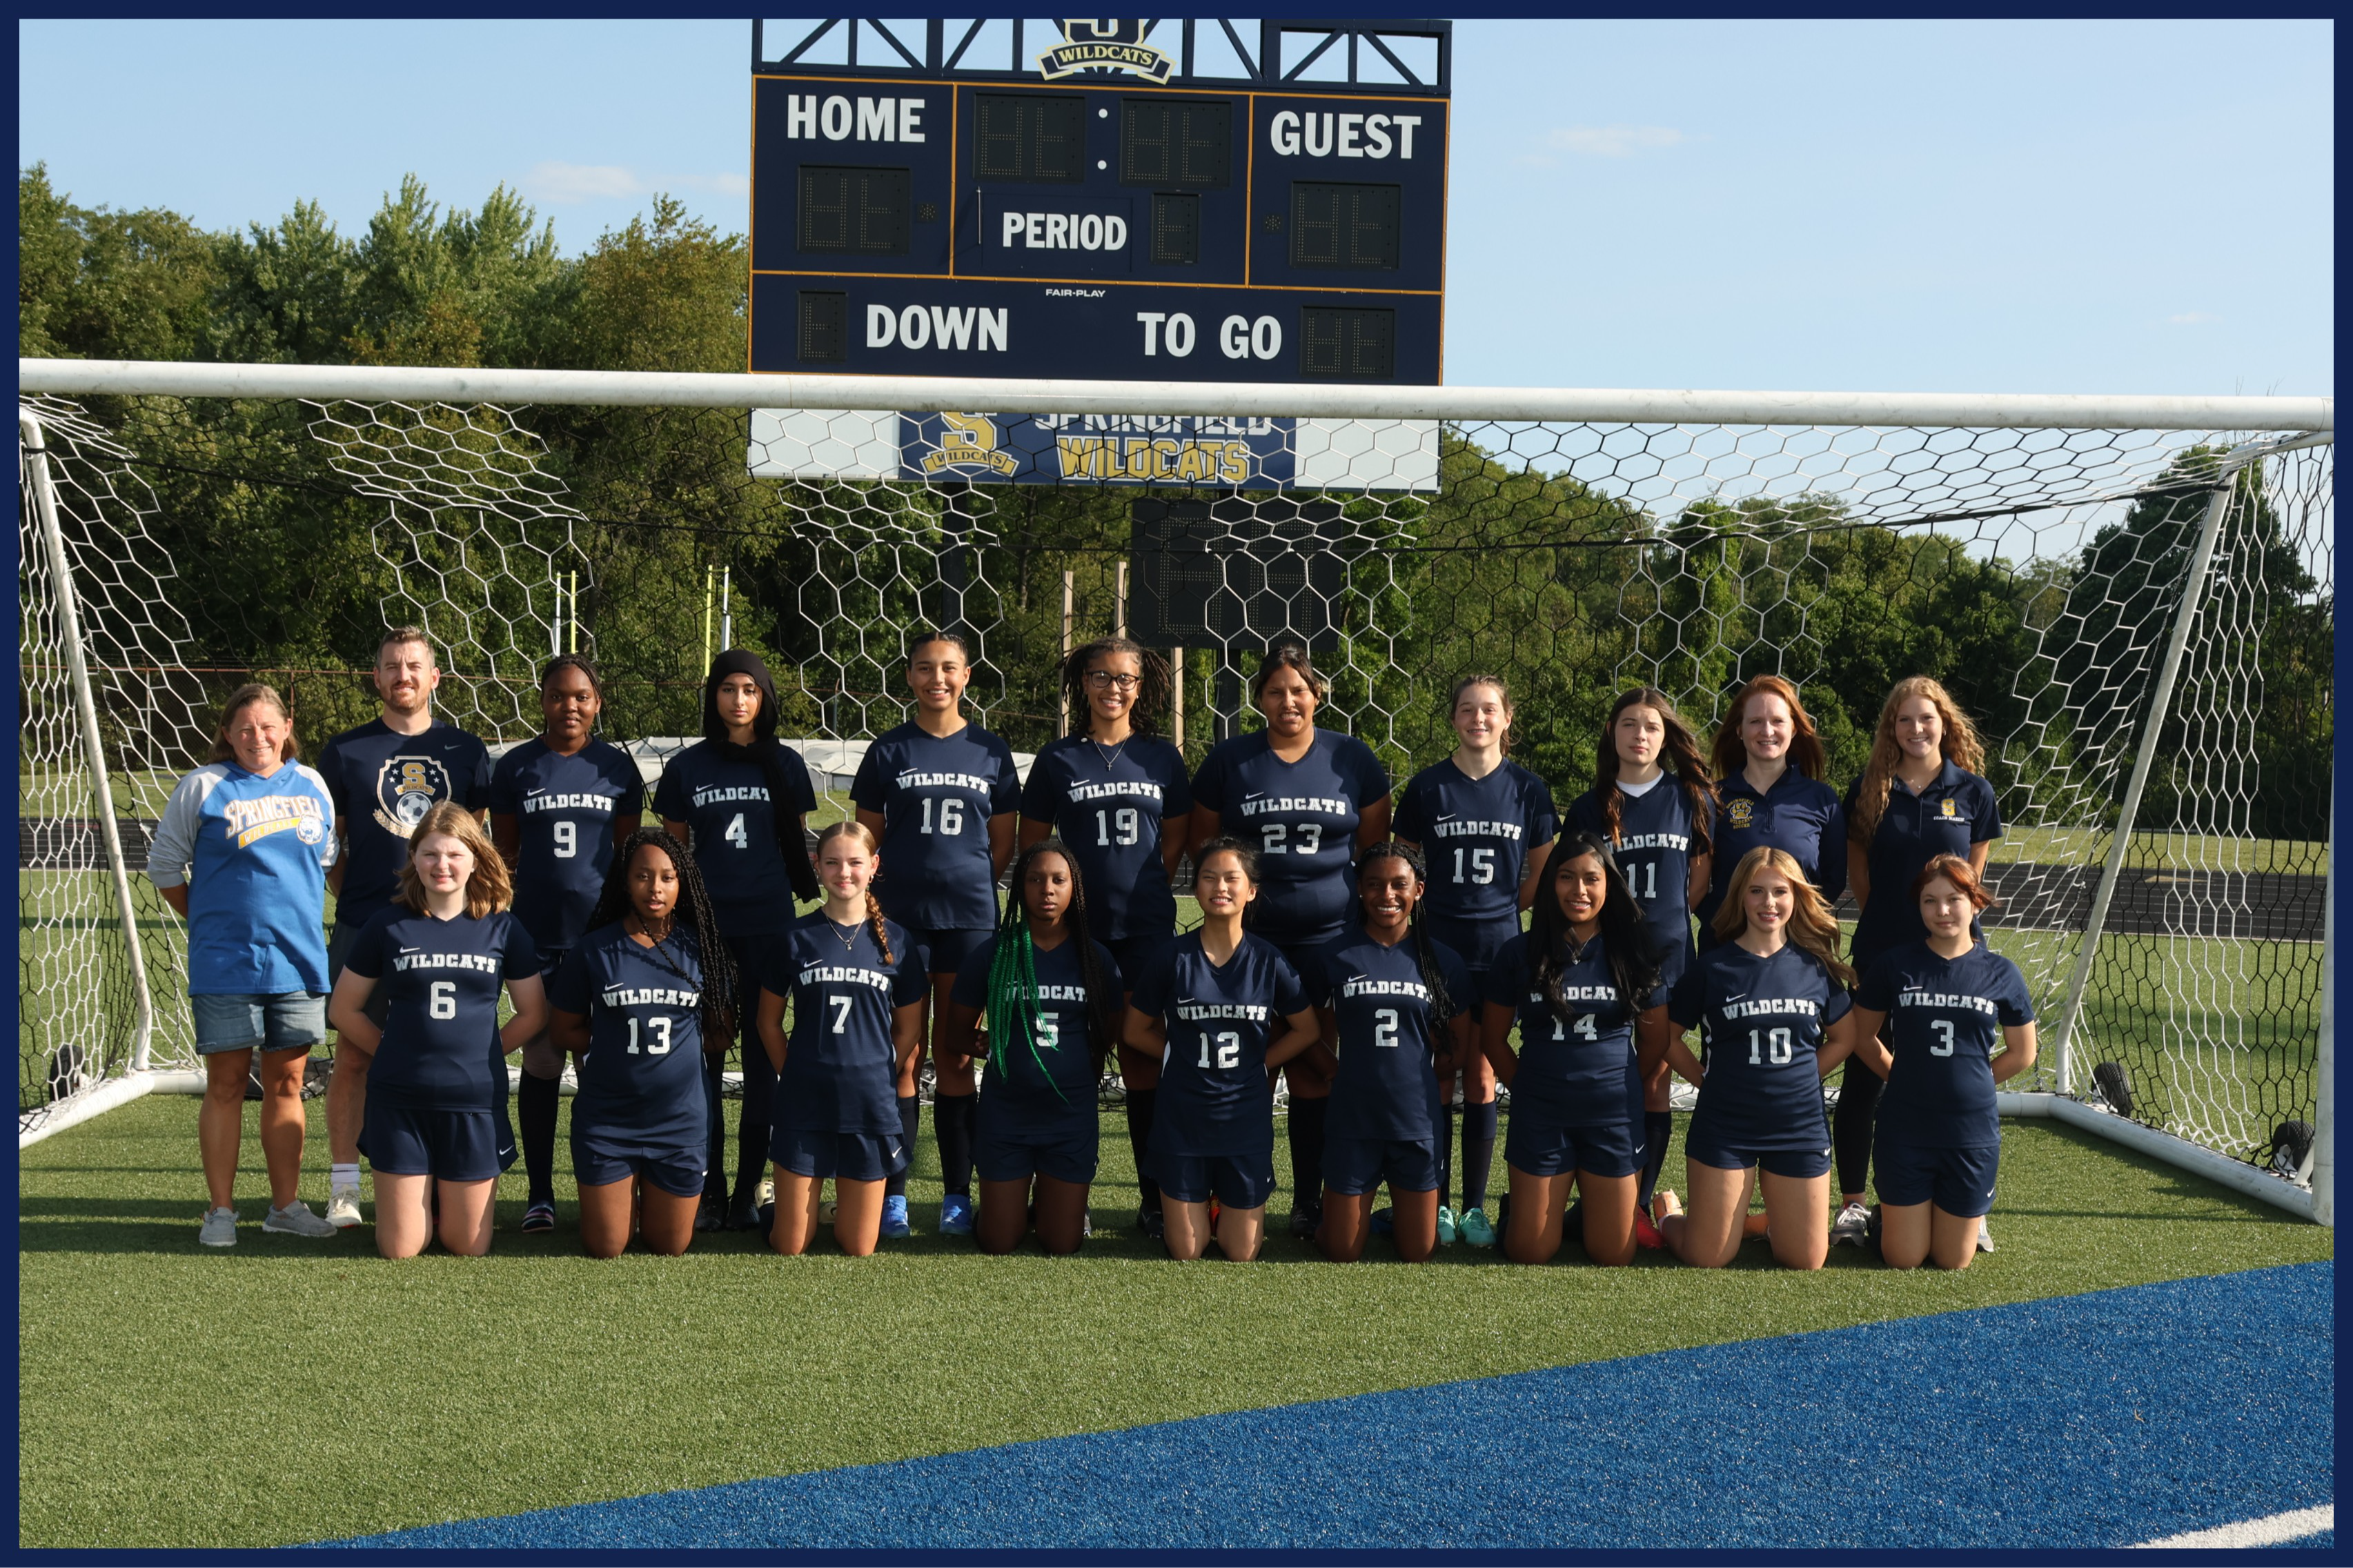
(1798, 814)
(1954, 815)
(383, 782)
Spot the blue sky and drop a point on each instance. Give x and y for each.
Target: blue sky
(2135, 207)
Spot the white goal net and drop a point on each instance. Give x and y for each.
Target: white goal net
(2140, 616)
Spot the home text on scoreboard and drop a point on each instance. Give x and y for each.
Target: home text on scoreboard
(1128, 200)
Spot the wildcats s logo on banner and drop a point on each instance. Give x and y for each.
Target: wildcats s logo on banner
(1126, 449)
(1105, 46)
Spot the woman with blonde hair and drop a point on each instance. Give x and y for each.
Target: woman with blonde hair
(241, 855)
(437, 1099)
(1923, 795)
(1769, 788)
(1771, 1000)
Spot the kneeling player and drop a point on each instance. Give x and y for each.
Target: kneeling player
(1051, 997)
(1939, 1137)
(646, 993)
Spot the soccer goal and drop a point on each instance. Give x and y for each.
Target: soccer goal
(2134, 596)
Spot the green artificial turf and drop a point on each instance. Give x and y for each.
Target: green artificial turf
(291, 1390)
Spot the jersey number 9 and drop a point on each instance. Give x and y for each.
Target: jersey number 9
(567, 839)
(951, 816)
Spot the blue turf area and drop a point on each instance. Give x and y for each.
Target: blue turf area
(2087, 1421)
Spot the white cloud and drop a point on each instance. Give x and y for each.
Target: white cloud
(2190, 319)
(1615, 141)
(565, 183)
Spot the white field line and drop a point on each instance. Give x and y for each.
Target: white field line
(2279, 1527)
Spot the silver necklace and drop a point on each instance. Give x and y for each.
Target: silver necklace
(1109, 761)
(849, 942)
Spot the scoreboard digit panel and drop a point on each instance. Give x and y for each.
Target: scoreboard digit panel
(1097, 225)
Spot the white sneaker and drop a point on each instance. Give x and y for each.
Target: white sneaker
(1851, 1227)
(1985, 1236)
(343, 1207)
(296, 1220)
(220, 1228)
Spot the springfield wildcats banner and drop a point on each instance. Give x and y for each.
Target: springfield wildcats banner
(1186, 451)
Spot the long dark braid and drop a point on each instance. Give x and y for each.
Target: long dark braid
(719, 983)
(1441, 1006)
(1679, 754)
(1633, 957)
(1012, 1004)
(1151, 690)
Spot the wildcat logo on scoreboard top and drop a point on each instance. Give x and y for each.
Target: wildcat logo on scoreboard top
(1105, 46)
(406, 788)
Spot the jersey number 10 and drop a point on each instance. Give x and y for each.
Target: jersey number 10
(1777, 1047)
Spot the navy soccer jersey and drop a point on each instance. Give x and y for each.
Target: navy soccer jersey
(641, 1082)
(1476, 835)
(383, 782)
(1798, 814)
(723, 801)
(1955, 813)
(841, 1068)
(1656, 839)
(1763, 1020)
(1113, 806)
(1302, 819)
(1214, 1096)
(1945, 1016)
(936, 795)
(440, 983)
(564, 808)
(1389, 1030)
(1048, 1073)
(1579, 1071)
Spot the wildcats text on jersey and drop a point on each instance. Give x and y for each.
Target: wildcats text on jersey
(916, 779)
(1947, 999)
(1758, 1009)
(544, 801)
(1060, 993)
(1467, 829)
(1679, 842)
(1209, 1011)
(1590, 994)
(1128, 789)
(714, 795)
(827, 973)
(1328, 806)
(648, 996)
(1364, 986)
(487, 964)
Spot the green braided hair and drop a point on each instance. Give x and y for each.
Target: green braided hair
(1012, 1004)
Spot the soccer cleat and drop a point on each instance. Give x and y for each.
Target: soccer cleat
(744, 1212)
(825, 1212)
(539, 1216)
(1152, 1222)
(1646, 1233)
(1471, 1226)
(220, 1228)
(1304, 1218)
(1984, 1235)
(955, 1214)
(296, 1220)
(894, 1219)
(767, 1192)
(1446, 1228)
(1848, 1230)
(344, 1206)
(1383, 1222)
(712, 1213)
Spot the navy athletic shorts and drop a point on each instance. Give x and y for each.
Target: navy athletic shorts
(946, 948)
(1355, 1166)
(1958, 1180)
(1238, 1180)
(448, 1145)
(1702, 1145)
(1534, 1146)
(1009, 1146)
(846, 1156)
(676, 1171)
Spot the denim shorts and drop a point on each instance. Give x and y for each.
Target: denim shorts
(285, 1021)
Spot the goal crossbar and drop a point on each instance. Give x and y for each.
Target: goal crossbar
(74, 378)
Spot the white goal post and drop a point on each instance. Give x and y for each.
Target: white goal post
(2135, 571)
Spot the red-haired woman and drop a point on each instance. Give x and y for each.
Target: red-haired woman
(1769, 767)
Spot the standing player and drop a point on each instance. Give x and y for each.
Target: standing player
(1583, 984)
(1484, 825)
(1395, 1004)
(1219, 1007)
(647, 989)
(1771, 1000)
(939, 796)
(1305, 799)
(558, 805)
(858, 989)
(1939, 1135)
(1768, 767)
(384, 777)
(437, 1131)
(741, 799)
(1116, 796)
(1051, 996)
(1922, 794)
(1657, 828)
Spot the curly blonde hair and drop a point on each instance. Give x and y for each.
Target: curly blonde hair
(1812, 926)
(1961, 747)
(487, 890)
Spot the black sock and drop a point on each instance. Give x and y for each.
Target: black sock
(536, 1105)
(1445, 1151)
(952, 1116)
(1306, 1121)
(911, 1122)
(1572, 1224)
(1850, 1125)
(1139, 1142)
(1658, 1127)
(1478, 1153)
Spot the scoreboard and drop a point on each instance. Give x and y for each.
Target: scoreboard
(1107, 202)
